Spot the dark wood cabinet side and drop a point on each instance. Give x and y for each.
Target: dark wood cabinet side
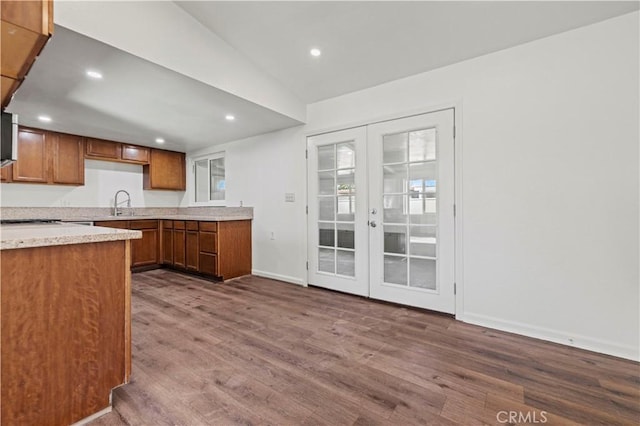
(234, 248)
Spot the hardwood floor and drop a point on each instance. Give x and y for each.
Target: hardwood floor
(258, 351)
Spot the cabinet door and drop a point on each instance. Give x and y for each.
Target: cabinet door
(68, 159)
(178, 248)
(193, 253)
(167, 246)
(135, 154)
(166, 170)
(32, 164)
(99, 149)
(145, 250)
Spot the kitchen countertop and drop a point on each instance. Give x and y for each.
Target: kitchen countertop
(210, 218)
(92, 214)
(17, 236)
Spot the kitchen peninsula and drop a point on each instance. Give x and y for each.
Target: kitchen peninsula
(66, 330)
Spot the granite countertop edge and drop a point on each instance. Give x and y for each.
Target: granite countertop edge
(60, 234)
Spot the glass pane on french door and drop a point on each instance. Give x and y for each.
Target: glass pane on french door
(409, 165)
(338, 243)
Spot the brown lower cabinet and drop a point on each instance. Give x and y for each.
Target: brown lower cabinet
(144, 251)
(220, 250)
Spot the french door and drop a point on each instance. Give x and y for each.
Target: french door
(381, 218)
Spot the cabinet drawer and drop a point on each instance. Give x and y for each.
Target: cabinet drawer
(209, 226)
(208, 264)
(208, 242)
(143, 224)
(120, 224)
(167, 224)
(192, 225)
(178, 224)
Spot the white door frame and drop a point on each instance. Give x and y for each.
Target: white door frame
(458, 175)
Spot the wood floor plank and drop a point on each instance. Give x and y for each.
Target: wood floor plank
(254, 351)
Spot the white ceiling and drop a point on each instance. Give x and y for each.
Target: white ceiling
(363, 44)
(135, 102)
(368, 43)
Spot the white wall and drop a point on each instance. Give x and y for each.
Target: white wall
(259, 171)
(550, 183)
(102, 180)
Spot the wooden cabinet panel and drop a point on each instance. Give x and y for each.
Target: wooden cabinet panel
(166, 170)
(32, 164)
(68, 159)
(208, 242)
(99, 149)
(179, 224)
(145, 250)
(65, 318)
(179, 256)
(135, 154)
(234, 248)
(208, 264)
(192, 225)
(167, 224)
(209, 226)
(25, 28)
(120, 224)
(167, 246)
(192, 250)
(7, 87)
(6, 173)
(32, 15)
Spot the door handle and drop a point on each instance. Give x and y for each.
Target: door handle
(373, 224)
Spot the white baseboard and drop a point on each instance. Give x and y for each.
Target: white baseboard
(93, 416)
(556, 336)
(279, 277)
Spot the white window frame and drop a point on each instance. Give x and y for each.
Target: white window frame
(192, 191)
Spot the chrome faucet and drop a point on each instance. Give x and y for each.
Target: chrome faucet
(117, 211)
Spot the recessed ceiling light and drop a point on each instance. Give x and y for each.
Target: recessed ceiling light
(159, 140)
(44, 118)
(229, 117)
(315, 52)
(94, 74)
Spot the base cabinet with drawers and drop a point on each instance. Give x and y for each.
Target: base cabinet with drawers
(220, 250)
(144, 251)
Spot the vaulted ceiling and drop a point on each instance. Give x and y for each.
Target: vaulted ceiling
(175, 70)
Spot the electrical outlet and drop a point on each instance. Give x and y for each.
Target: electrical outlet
(289, 197)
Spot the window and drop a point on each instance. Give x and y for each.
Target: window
(209, 179)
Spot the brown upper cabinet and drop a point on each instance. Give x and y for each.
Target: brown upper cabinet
(166, 170)
(135, 154)
(49, 157)
(26, 26)
(99, 149)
